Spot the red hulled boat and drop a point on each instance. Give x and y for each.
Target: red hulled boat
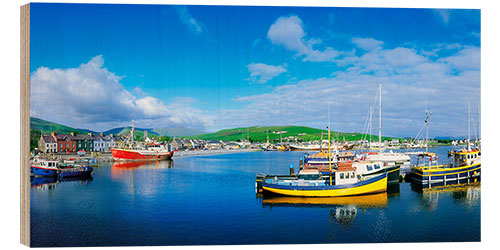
(128, 151)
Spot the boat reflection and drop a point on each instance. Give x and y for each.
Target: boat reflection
(393, 190)
(363, 201)
(343, 210)
(344, 215)
(467, 192)
(120, 168)
(49, 183)
(144, 164)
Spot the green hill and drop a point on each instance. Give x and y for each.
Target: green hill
(259, 134)
(47, 127)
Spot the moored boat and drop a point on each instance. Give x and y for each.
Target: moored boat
(310, 183)
(465, 164)
(129, 151)
(42, 167)
(372, 168)
(75, 172)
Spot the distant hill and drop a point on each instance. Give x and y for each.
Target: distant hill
(48, 127)
(259, 134)
(177, 132)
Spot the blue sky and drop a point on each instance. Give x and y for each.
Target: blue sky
(215, 67)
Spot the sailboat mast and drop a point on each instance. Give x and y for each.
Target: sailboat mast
(329, 148)
(380, 117)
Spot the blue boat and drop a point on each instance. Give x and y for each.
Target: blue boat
(41, 167)
(75, 172)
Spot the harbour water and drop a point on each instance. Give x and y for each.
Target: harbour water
(208, 200)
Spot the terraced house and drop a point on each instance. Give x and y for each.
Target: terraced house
(47, 144)
(65, 143)
(84, 142)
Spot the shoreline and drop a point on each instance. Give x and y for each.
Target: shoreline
(178, 154)
(107, 157)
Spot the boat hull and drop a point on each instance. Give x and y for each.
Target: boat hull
(424, 175)
(373, 185)
(140, 155)
(40, 171)
(76, 173)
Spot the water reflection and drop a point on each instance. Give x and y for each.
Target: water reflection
(343, 210)
(144, 164)
(363, 201)
(393, 190)
(466, 192)
(49, 183)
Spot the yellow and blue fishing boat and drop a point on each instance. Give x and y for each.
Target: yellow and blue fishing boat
(465, 164)
(310, 183)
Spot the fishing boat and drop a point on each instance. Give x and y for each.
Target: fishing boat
(305, 147)
(75, 172)
(342, 181)
(367, 169)
(310, 183)
(42, 167)
(465, 164)
(129, 151)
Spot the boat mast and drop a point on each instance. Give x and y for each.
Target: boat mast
(468, 126)
(478, 122)
(380, 117)
(427, 118)
(329, 148)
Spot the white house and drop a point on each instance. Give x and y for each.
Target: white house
(47, 144)
(109, 143)
(99, 144)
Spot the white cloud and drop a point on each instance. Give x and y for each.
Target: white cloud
(90, 96)
(261, 73)
(443, 14)
(367, 44)
(468, 58)
(190, 22)
(289, 33)
(408, 79)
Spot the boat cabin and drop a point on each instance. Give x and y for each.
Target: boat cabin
(309, 174)
(345, 175)
(465, 157)
(45, 163)
(368, 167)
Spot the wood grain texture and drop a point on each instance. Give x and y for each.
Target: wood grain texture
(25, 124)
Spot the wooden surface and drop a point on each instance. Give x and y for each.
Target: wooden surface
(25, 125)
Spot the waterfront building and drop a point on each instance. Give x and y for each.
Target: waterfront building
(214, 144)
(109, 143)
(47, 144)
(177, 144)
(65, 143)
(84, 142)
(232, 145)
(99, 144)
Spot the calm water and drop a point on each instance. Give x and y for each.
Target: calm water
(211, 200)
